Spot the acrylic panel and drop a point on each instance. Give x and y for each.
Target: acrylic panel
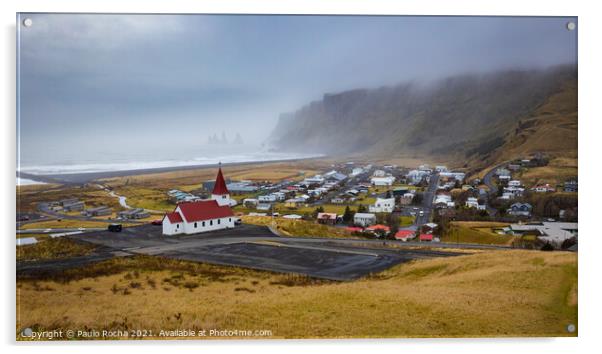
(285, 176)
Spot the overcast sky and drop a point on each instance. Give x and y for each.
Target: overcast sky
(136, 80)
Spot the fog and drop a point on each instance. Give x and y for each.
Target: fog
(108, 83)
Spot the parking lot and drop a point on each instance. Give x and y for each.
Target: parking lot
(252, 247)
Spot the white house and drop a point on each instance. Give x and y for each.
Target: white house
(473, 202)
(364, 219)
(204, 215)
(382, 181)
(269, 198)
(383, 205)
(514, 183)
(543, 188)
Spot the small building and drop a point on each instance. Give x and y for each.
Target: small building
(425, 238)
(98, 211)
(327, 218)
(383, 205)
(250, 202)
(514, 183)
(405, 235)
(378, 229)
(131, 214)
(382, 181)
(74, 206)
(543, 188)
(520, 209)
(364, 219)
(570, 186)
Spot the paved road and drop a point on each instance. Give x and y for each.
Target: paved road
(488, 181)
(45, 208)
(250, 246)
(427, 201)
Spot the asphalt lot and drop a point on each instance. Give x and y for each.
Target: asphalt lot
(244, 246)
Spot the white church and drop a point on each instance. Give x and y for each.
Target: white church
(202, 216)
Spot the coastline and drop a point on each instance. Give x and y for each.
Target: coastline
(85, 177)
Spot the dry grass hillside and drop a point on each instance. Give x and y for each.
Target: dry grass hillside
(503, 293)
(551, 129)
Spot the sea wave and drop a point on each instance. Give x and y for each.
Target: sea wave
(73, 168)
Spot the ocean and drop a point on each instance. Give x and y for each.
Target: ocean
(86, 161)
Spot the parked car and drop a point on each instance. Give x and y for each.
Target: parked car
(115, 227)
(157, 222)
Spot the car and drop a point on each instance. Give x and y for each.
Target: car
(157, 222)
(237, 222)
(115, 227)
(421, 213)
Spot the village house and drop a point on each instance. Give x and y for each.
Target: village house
(98, 211)
(250, 202)
(327, 218)
(520, 209)
(543, 188)
(382, 181)
(383, 205)
(136, 213)
(378, 230)
(570, 186)
(379, 173)
(202, 216)
(553, 232)
(514, 183)
(513, 192)
(473, 202)
(416, 176)
(405, 235)
(364, 219)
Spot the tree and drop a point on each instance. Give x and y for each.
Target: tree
(388, 194)
(393, 223)
(362, 208)
(348, 215)
(319, 209)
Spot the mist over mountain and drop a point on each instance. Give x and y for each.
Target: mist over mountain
(467, 115)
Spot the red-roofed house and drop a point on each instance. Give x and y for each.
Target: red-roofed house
(378, 228)
(426, 237)
(204, 215)
(404, 235)
(327, 218)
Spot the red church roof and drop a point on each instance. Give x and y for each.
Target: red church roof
(220, 185)
(174, 217)
(204, 210)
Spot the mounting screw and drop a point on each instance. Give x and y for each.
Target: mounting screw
(571, 26)
(27, 22)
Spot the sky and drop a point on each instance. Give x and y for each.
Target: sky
(143, 82)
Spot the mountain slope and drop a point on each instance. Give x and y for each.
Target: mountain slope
(466, 116)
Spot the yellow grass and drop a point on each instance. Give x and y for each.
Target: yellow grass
(476, 232)
(52, 249)
(298, 227)
(503, 293)
(64, 223)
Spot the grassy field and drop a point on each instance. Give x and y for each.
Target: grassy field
(67, 223)
(502, 293)
(52, 249)
(299, 227)
(476, 232)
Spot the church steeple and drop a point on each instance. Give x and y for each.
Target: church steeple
(220, 184)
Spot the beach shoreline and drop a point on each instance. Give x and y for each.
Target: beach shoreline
(85, 177)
